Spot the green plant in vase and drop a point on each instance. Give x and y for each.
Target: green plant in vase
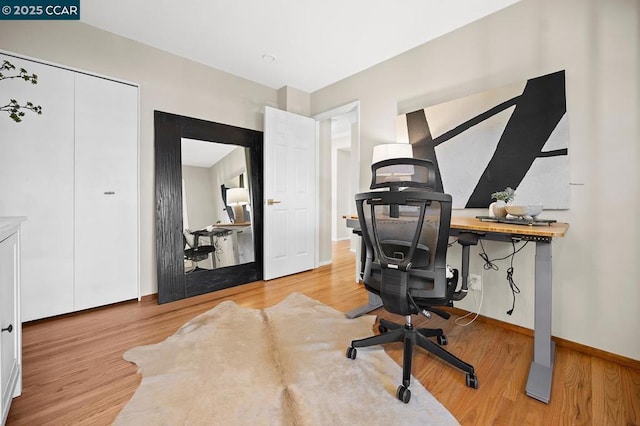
(497, 208)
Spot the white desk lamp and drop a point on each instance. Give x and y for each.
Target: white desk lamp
(393, 150)
(393, 173)
(236, 198)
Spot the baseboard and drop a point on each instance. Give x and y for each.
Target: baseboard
(578, 347)
(149, 297)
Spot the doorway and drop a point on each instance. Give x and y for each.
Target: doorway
(339, 177)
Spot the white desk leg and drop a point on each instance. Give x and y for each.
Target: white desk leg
(540, 374)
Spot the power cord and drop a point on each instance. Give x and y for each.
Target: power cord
(512, 284)
(489, 265)
(219, 251)
(475, 314)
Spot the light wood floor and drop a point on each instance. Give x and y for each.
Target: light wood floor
(74, 372)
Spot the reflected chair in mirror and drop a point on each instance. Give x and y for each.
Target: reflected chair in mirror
(405, 230)
(195, 252)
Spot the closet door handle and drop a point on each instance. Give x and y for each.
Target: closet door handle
(271, 201)
(109, 192)
(9, 329)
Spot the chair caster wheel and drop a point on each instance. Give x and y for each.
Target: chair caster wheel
(403, 394)
(382, 329)
(442, 340)
(351, 352)
(472, 380)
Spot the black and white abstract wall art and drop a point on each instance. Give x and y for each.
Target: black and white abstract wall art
(515, 136)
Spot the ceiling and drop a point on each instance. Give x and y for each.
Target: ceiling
(314, 43)
(199, 153)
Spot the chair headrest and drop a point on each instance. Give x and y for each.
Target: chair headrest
(395, 173)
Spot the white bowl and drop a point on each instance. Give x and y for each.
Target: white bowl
(529, 210)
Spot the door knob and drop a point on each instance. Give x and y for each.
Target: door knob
(271, 201)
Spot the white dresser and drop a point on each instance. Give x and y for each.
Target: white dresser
(11, 335)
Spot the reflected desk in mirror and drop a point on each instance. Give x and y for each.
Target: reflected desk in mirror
(231, 244)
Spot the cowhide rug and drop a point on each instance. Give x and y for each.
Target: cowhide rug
(283, 365)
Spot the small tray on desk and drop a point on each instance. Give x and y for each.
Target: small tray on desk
(517, 220)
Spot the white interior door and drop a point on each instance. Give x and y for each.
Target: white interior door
(290, 193)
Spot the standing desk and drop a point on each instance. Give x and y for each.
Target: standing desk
(541, 370)
(221, 230)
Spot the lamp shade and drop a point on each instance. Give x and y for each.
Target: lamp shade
(237, 196)
(393, 150)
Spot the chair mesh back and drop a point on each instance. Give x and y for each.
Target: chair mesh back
(403, 172)
(406, 235)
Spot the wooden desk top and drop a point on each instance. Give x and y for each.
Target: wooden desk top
(557, 229)
(554, 230)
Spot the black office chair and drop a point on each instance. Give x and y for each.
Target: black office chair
(405, 234)
(196, 252)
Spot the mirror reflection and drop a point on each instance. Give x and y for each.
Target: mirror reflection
(216, 207)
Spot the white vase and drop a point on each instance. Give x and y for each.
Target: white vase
(497, 209)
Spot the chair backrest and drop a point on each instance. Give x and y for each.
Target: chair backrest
(406, 236)
(395, 173)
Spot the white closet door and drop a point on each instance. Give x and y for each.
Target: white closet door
(106, 198)
(36, 180)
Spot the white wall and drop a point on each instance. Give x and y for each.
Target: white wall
(341, 198)
(596, 269)
(167, 83)
(200, 193)
(231, 166)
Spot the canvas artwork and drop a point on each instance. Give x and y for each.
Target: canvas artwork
(515, 136)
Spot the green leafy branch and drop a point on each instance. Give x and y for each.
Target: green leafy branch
(507, 195)
(14, 108)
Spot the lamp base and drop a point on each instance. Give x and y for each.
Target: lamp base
(238, 214)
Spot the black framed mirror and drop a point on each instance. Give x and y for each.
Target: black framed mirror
(176, 225)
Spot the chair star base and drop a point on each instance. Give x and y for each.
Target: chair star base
(411, 336)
